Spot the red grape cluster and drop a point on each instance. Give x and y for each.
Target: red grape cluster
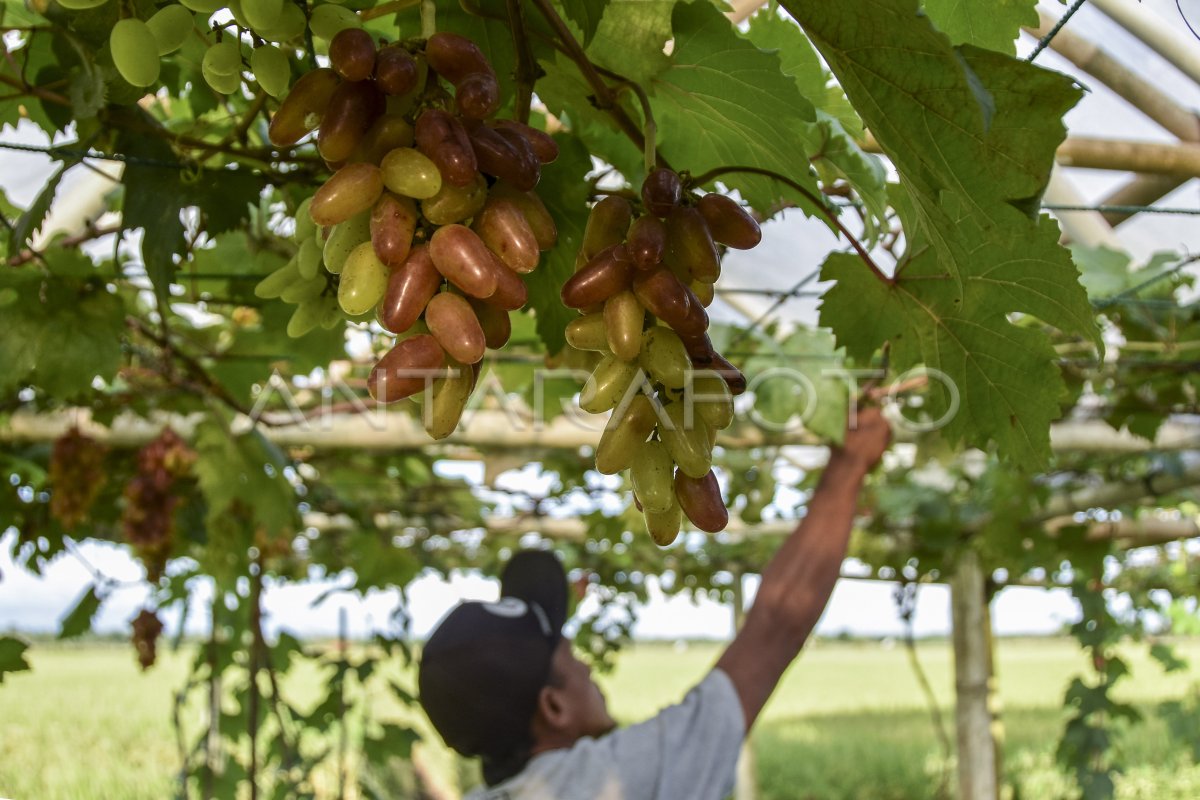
(76, 476)
(642, 286)
(147, 627)
(429, 219)
(148, 517)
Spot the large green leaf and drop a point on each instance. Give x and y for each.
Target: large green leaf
(78, 620)
(12, 656)
(972, 134)
(994, 24)
(631, 36)
(245, 469)
(586, 15)
(565, 193)
(724, 102)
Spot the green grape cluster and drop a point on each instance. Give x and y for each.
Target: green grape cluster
(429, 219)
(642, 286)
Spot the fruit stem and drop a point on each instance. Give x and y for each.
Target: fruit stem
(428, 18)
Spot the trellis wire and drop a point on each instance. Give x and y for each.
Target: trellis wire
(136, 161)
(1044, 42)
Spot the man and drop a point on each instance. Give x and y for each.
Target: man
(499, 681)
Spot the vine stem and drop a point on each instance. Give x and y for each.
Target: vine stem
(825, 210)
(428, 18)
(526, 71)
(649, 126)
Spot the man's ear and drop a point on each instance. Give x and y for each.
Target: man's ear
(551, 709)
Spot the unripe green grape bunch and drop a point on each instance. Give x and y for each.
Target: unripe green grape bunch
(429, 219)
(642, 286)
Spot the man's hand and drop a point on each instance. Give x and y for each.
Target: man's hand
(866, 440)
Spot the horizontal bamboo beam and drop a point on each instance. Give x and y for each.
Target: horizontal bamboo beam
(498, 430)
(1152, 158)
(1170, 42)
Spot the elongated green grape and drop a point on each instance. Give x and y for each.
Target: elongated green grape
(328, 20)
(171, 27)
(606, 226)
(344, 237)
(450, 397)
(332, 315)
(687, 441)
(460, 255)
(364, 281)
(199, 6)
(304, 290)
(81, 5)
(455, 203)
(262, 13)
(224, 57)
(289, 25)
(534, 211)
(453, 323)
(406, 369)
(305, 227)
(624, 435)
(221, 84)
(308, 259)
(307, 316)
(664, 357)
(506, 232)
(410, 172)
(589, 332)
(271, 69)
(623, 321)
(302, 109)
(134, 52)
(653, 477)
(273, 284)
(607, 385)
(352, 189)
(664, 526)
(712, 400)
(700, 499)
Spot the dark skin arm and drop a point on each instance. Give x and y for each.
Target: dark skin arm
(799, 579)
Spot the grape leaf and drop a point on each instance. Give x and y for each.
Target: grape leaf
(243, 468)
(30, 222)
(631, 36)
(78, 620)
(153, 201)
(586, 15)
(565, 193)
(972, 134)
(12, 656)
(994, 24)
(798, 377)
(724, 102)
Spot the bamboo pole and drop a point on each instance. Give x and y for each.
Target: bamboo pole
(977, 774)
(1181, 160)
(1155, 32)
(1142, 190)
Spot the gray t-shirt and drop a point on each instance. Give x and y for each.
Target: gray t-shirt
(688, 751)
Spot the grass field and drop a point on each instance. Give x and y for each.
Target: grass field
(848, 723)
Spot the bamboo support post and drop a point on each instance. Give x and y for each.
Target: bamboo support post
(1182, 160)
(1156, 33)
(977, 774)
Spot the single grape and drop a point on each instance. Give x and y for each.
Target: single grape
(462, 257)
(134, 52)
(712, 399)
(534, 211)
(410, 288)
(389, 132)
(290, 24)
(406, 369)
(352, 54)
(307, 316)
(443, 138)
(664, 526)
(700, 499)
(607, 385)
(304, 289)
(224, 57)
(171, 26)
(661, 192)
(344, 237)
(454, 57)
(496, 156)
(729, 223)
(664, 357)
(605, 275)
(393, 223)
(411, 173)
(328, 20)
(453, 323)
(542, 143)
(396, 71)
(687, 441)
(495, 321)
(308, 259)
(624, 318)
(353, 108)
(455, 203)
(506, 232)
(221, 84)
(449, 401)
(352, 189)
(477, 96)
(273, 284)
(663, 295)
(262, 13)
(647, 241)
(302, 109)
(199, 6)
(606, 226)
(589, 332)
(363, 282)
(690, 248)
(305, 227)
(653, 477)
(271, 69)
(81, 5)
(624, 435)
(511, 292)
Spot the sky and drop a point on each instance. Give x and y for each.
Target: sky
(859, 607)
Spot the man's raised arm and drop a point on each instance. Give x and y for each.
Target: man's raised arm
(798, 581)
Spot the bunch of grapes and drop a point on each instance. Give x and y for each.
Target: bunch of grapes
(643, 285)
(76, 477)
(429, 219)
(148, 518)
(147, 627)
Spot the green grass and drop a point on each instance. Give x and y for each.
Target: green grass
(848, 722)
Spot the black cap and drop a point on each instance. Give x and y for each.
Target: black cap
(485, 664)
